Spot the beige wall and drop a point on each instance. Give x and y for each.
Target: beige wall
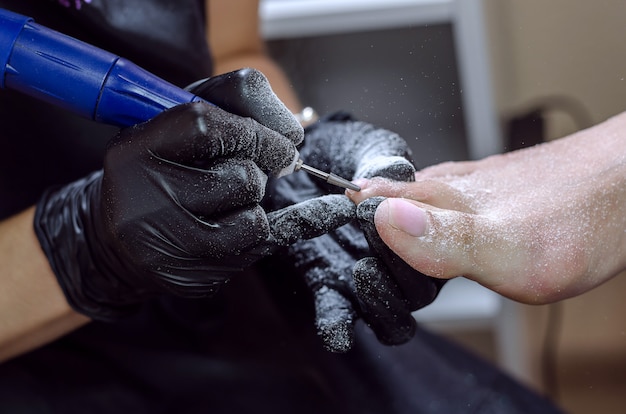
(573, 48)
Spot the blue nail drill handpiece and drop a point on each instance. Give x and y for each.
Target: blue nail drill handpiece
(88, 81)
(81, 78)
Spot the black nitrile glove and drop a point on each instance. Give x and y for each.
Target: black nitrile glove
(176, 207)
(332, 263)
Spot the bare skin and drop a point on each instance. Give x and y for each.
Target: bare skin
(537, 225)
(33, 307)
(235, 46)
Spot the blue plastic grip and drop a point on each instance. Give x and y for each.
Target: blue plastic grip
(11, 25)
(81, 78)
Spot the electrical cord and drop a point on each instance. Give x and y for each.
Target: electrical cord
(549, 355)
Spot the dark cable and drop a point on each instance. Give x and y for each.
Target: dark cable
(550, 350)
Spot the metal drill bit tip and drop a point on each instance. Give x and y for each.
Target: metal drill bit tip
(334, 179)
(330, 178)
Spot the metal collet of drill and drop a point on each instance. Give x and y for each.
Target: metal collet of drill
(330, 178)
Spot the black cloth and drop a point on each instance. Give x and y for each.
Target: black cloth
(249, 359)
(253, 347)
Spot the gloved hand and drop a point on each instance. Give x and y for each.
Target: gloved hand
(176, 207)
(347, 278)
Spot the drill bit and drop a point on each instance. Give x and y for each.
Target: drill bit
(330, 178)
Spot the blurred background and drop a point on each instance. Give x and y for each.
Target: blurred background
(462, 79)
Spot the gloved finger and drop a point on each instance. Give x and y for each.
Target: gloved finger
(235, 233)
(186, 252)
(310, 218)
(352, 240)
(291, 189)
(327, 270)
(196, 133)
(247, 92)
(324, 263)
(225, 185)
(215, 238)
(419, 290)
(344, 147)
(396, 168)
(383, 306)
(200, 277)
(334, 319)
